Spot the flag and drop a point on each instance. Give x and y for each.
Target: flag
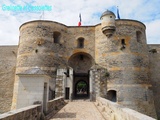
(79, 23)
(118, 13)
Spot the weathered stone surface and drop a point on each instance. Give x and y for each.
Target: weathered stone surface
(79, 110)
(113, 111)
(27, 113)
(124, 55)
(7, 76)
(53, 106)
(154, 75)
(128, 67)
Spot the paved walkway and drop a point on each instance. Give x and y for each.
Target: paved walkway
(79, 110)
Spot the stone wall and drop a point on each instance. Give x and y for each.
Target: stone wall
(86, 32)
(34, 112)
(128, 64)
(154, 58)
(37, 46)
(113, 111)
(7, 76)
(59, 86)
(53, 106)
(124, 55)
(28, 113)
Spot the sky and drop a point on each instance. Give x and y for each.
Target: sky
(67, 12)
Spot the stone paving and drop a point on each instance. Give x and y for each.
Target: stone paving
(78, 110)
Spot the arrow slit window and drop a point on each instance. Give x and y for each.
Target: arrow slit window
(56, 37)
(80, 43)
(139, 36)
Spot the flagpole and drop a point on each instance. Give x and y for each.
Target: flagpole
(118, 16)
(79, 23)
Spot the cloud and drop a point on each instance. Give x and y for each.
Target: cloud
(153, 30)
(67, 12)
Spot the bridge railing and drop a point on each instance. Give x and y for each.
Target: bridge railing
(27, 113)
(34, 112)
(113, 111)
(53, 106)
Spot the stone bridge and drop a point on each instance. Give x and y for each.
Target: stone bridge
(79, 110)
(58, 109)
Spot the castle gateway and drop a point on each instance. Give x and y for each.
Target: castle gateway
(111, 60)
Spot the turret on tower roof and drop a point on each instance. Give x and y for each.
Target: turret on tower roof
(107, 12)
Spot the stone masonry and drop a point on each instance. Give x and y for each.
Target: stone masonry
(7, 75)
(112, 58)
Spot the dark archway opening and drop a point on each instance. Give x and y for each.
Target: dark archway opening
(81, 64)
(112, 95)
(81, 89)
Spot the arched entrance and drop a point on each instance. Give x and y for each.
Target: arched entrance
(112, 95)
(81, 64)
(81, 89)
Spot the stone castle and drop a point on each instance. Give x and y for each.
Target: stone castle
(111, 59)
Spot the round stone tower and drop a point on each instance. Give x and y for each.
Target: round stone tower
(108, 23)
(41, 47)
(124, 55)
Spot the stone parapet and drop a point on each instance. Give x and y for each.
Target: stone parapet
(53, 106)
(113, 111)
(28, 113)
(34, 112)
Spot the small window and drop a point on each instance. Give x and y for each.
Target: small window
(110, 16)
(123, 42)
(80, 43)
(139, 36)
(56, 37)
(153, 51)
